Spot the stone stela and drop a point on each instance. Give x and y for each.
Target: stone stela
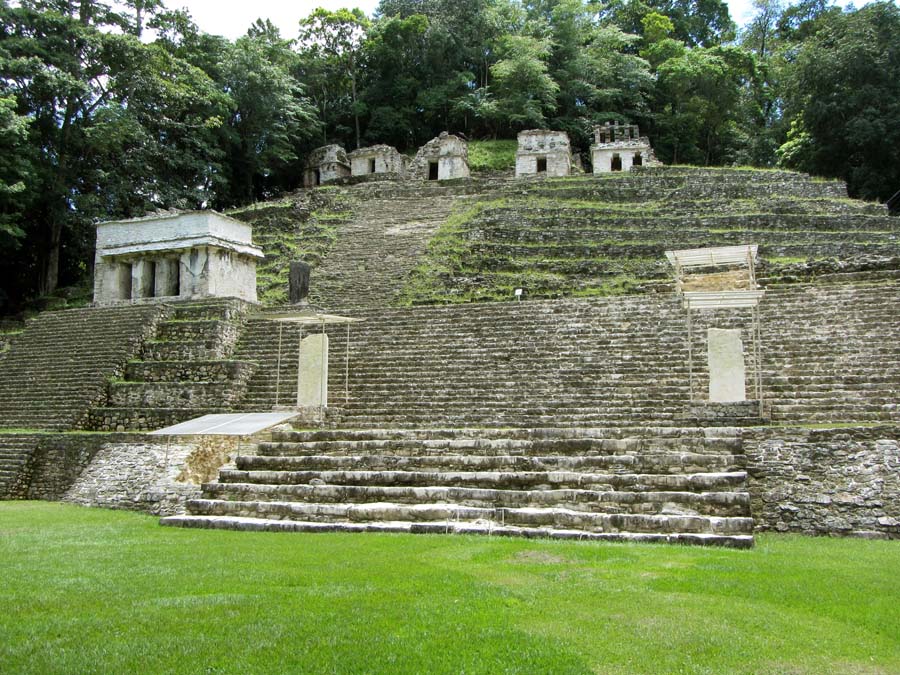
(722, 278)
(727, 377)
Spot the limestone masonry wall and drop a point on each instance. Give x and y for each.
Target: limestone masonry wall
(825, 481)
(150, 474)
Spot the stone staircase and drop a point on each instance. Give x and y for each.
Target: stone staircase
(15, 451)
(185, 371)
(684, 485)
(379, 245)
(59, 366)
(828, 351)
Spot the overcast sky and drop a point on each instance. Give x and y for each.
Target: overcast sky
(231, 18)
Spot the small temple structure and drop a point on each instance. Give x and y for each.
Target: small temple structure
(618, 147)
(378, 159)
(175, 255)
(441, 158)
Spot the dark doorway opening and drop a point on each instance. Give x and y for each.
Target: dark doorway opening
(432, 170)
(317, 177)
(638, 160)
(371, 166)
(542, 165)
(616, 164)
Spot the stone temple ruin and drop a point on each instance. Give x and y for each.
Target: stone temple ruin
(748, 384)
(618, 147)
(326, 165)
(187, 255)
(442, 158)
(543, 153)
(378, 160)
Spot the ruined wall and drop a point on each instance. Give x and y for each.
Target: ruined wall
(825, 481)
(152, 476)
(602, 157)
(325, 165)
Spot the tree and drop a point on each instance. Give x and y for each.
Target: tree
(15, 169)
(333, 41)
(270, 118)
(843, 98)
(697, 104)
(524, 90)
(115, 127)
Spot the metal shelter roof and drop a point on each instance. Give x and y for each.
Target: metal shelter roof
(304, 316)
(713, 257)
(721, 299)
(226, 424)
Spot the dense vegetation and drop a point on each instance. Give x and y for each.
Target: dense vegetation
(110, 109)
(95, 591)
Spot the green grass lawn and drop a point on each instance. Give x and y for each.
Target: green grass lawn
(94, 591)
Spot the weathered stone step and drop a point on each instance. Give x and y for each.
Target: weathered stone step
(646, 433)
(491, 529)
(639, 462)
(259, 472)
(533, 517)
(188, 371)
(165, 394)
(582, 449)
(595, 501)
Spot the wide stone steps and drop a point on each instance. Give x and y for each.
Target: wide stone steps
(534, 516)
(641, 484)
(186, 371)
(721, 504)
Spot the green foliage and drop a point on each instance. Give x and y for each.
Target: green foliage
(523, 88)
(492, 155)
(373, 603)
(845, 101)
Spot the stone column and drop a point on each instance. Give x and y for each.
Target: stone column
(142, 279)
(166, 277)
(727, 377)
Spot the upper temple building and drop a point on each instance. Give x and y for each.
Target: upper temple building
(176, 255)
(618, 147)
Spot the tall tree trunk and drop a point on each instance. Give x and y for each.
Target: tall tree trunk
(48, 272)
(355, 109)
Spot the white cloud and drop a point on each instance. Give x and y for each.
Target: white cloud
(232, 18)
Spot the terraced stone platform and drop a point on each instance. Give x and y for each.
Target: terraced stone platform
(60, 365)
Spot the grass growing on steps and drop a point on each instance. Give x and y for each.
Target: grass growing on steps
(94, 591)
(492, 155)
(286, 233)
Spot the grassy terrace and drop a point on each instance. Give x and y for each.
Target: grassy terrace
(560, 239)
(93, 591)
